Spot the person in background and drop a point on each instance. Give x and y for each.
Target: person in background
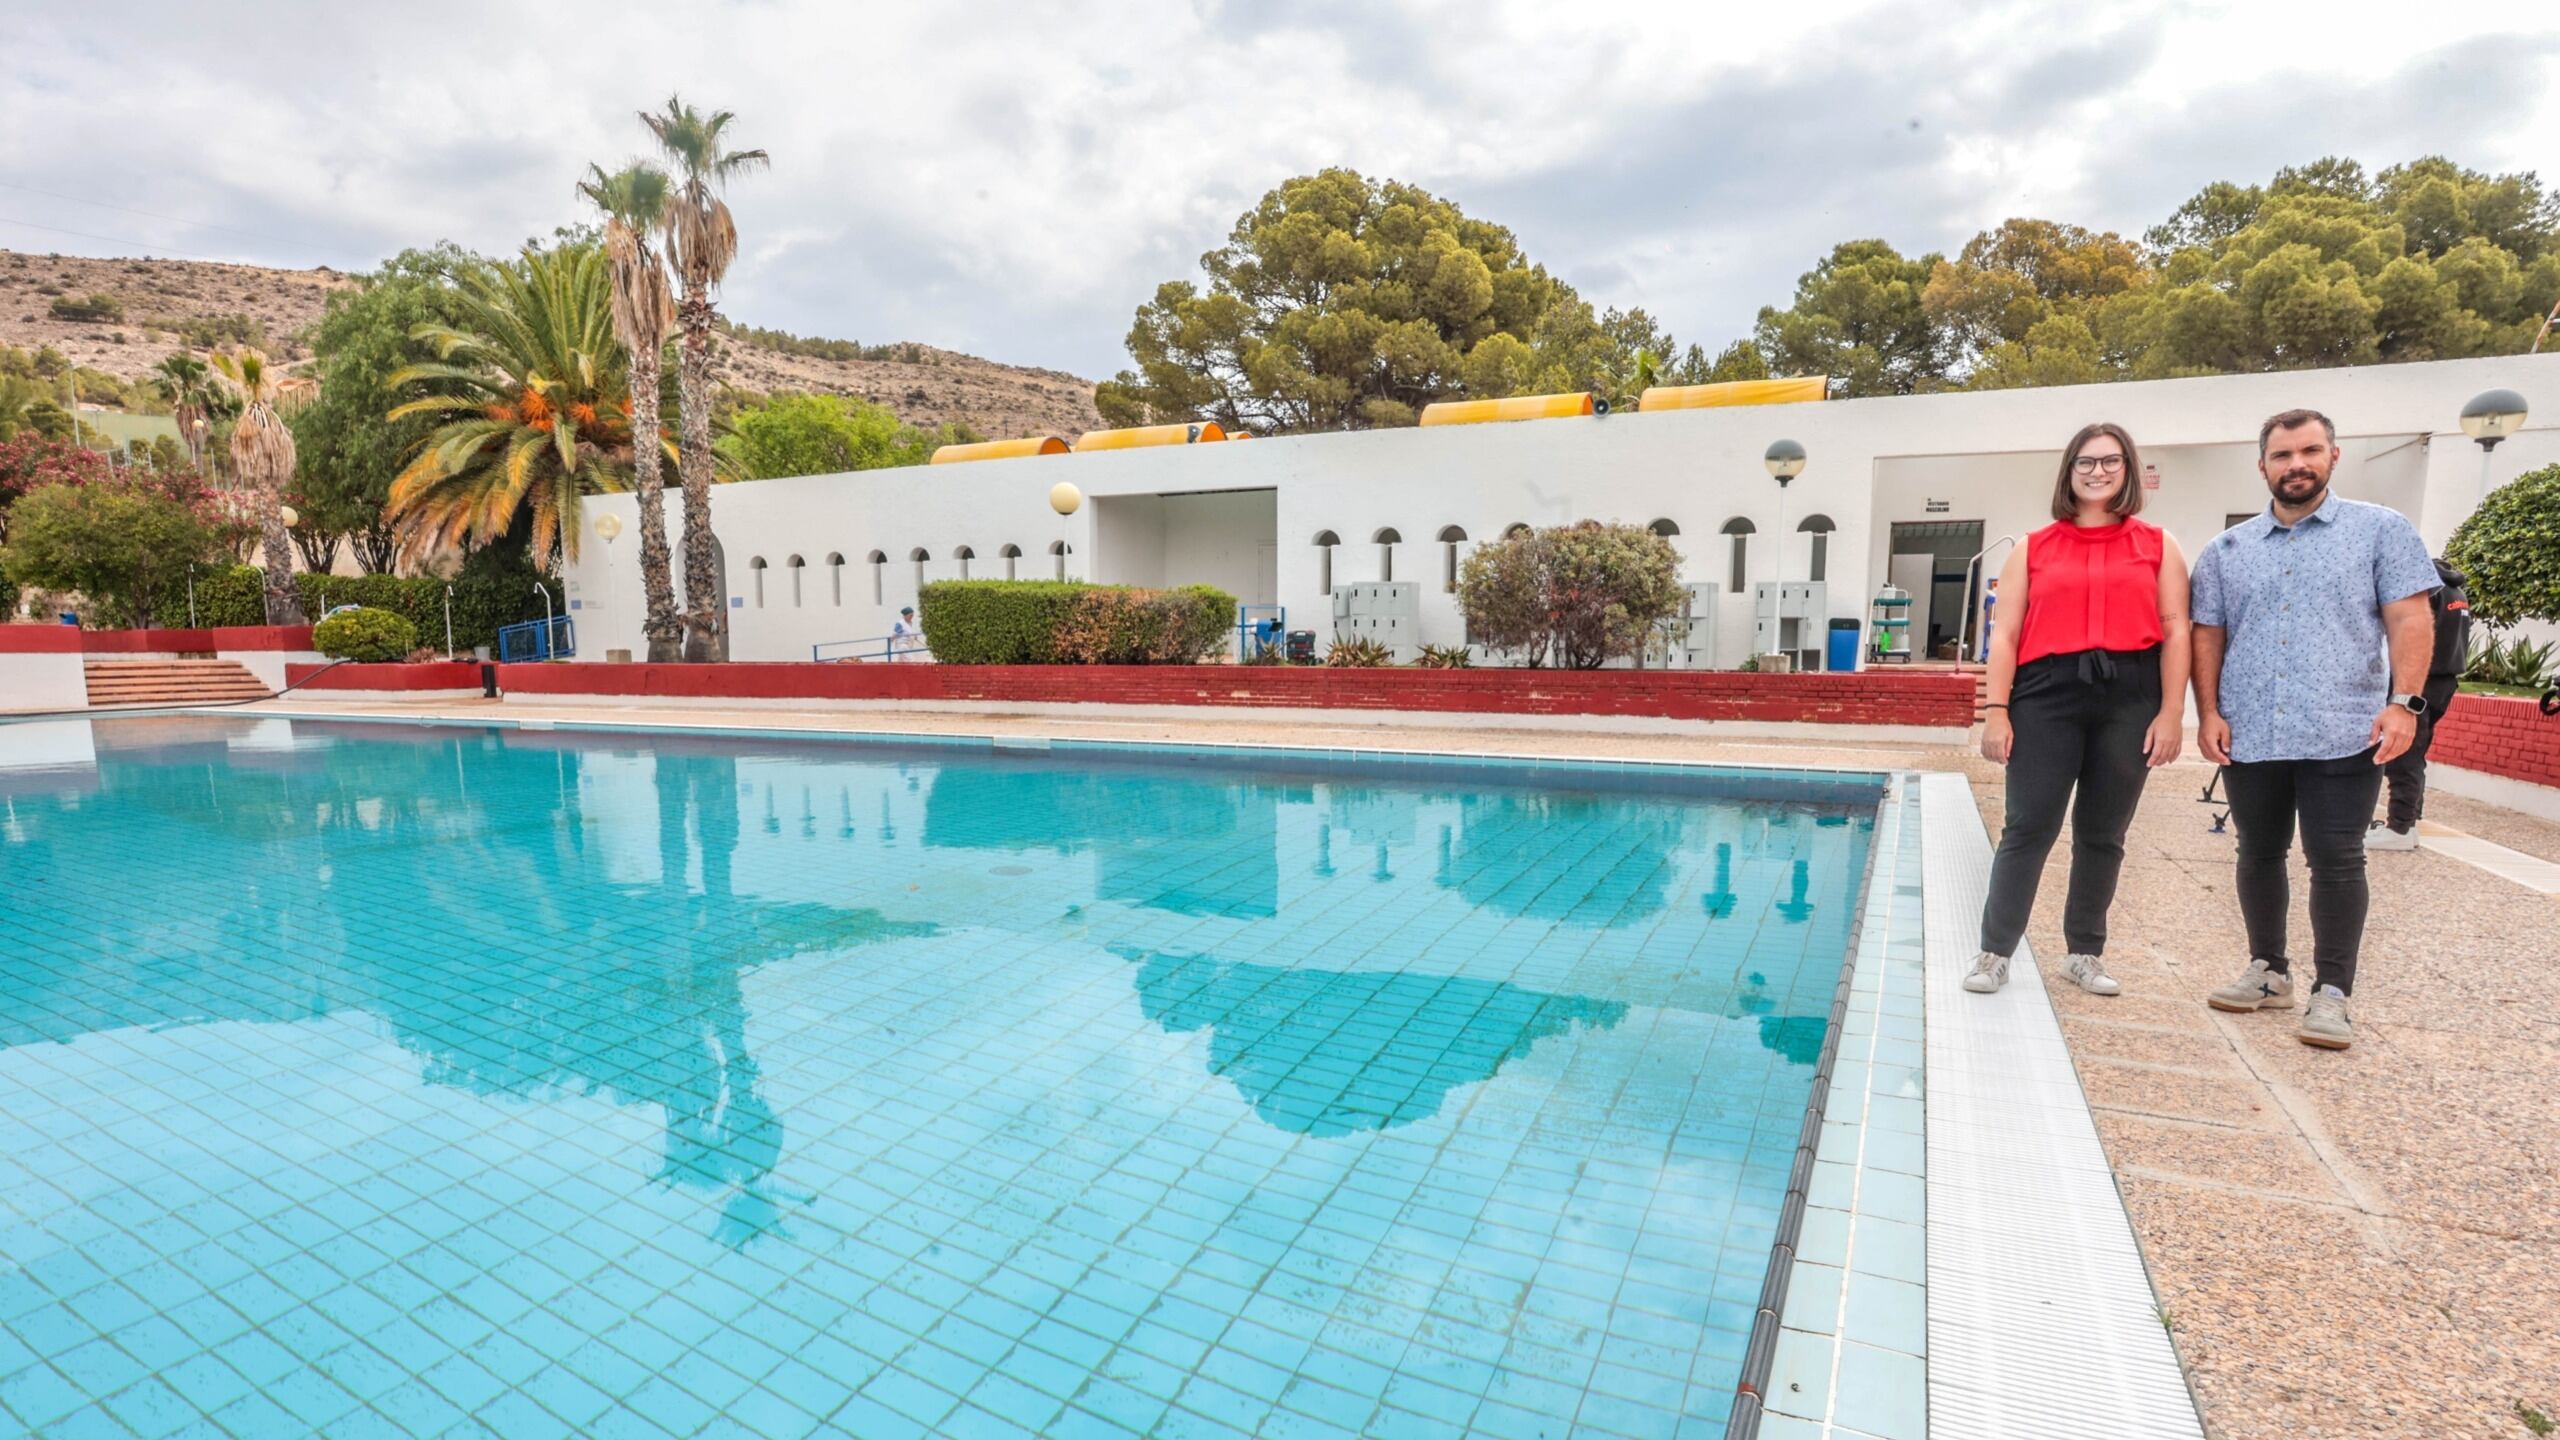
(1990, 616)
(2406, 777)
(905, 637)
(2312, 640)
(2086, 696)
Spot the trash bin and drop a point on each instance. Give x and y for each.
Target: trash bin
(1843, 654)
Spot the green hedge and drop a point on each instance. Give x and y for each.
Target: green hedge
(365, 634)
(486, 595)
(1065, 622)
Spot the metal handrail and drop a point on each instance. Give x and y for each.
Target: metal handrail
(889, 653)
(1973, 611)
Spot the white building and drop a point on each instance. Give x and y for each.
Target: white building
(1906, 489)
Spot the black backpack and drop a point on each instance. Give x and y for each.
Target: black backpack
(2452, 605)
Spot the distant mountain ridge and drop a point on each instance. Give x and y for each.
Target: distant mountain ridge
(164, 303)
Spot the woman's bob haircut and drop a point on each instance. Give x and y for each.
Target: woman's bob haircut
(2128, 501)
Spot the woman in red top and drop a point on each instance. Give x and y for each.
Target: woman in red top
(2087, 695)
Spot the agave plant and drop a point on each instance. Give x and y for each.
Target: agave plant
(262, 456)
(1358, 652)
(634, 201)
(702, 240)
(531, 381)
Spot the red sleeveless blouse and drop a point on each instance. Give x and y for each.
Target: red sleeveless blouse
(2096, 588)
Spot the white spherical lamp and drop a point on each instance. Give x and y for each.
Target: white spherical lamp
(1064, 497)
(289, 515)
(2492, 416)
(607, 527)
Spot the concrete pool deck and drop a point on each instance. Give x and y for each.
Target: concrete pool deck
(2356, 1243)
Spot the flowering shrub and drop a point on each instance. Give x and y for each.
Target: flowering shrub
(1574, 595)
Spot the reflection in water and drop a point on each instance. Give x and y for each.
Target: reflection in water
(1797, 1037)
(521, 969)
(1327, 1053)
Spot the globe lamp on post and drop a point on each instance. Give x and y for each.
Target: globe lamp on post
(2492, 416)
(1785, 461)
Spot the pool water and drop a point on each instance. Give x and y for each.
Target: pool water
(374, 1079)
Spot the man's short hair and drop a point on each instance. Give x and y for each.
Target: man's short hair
(2288, 420)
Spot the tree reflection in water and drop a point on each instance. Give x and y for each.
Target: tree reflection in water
(490, 941)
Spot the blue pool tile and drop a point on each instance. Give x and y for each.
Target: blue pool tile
(890, 1089)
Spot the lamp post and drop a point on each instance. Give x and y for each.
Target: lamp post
(1785, 460)
(1066, 499)
(2492, 416)
(607, 528)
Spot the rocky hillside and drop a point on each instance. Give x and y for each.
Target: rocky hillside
(155, 305)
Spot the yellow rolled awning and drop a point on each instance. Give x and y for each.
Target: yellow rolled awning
(1514, 407)
(1198, 432)
(1734, 392)
(1000, 449)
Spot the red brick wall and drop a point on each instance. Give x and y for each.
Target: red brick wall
(1864, 698)
(2499, 735)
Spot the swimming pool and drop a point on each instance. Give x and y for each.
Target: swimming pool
(377, 1079)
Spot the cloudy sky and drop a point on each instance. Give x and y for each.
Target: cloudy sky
(1012, 180)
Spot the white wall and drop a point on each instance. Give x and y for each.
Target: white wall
(1697, 468)
(43, 681)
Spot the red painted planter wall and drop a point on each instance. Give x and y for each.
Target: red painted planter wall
(2499, 735)
(1865, 698)
(435, 675)
(64, 639)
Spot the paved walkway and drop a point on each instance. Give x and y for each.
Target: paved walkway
(2358, 1243)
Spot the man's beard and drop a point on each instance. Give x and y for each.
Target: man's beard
(2285, 487)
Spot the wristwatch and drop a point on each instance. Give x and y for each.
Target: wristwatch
(2414, 704)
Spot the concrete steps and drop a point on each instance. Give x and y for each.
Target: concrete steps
(171, 682)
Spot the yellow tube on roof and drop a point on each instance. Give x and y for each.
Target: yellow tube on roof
(1000, 449)
(1514, 407)
(1734, 392)
(1197, 432)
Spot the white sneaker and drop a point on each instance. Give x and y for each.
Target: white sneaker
(2383, 837)
(2258, 988)
(1990, 972)
(2091, 974)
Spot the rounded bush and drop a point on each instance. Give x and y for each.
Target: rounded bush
(366, 635)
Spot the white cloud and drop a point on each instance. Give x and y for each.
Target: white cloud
(1014, 179)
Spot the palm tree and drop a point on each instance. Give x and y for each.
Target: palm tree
(701, 242)
(538, 408)
(634, 202)
(196, 398)
(262, 456)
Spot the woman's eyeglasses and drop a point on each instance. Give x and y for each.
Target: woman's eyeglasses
(2092, 464)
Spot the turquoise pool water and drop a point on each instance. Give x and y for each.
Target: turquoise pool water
(368, 1079)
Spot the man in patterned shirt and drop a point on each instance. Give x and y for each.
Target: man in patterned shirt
(2312, 635)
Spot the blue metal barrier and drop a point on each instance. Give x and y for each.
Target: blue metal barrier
(1255, 636)
(552, 639)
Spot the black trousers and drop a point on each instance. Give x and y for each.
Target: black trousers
(2332, 801)
(2407, 774)
(2079, 721)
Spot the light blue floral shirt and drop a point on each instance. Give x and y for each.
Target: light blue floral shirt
(2307, 668)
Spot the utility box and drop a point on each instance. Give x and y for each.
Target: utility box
(1686, 641)
(1387, 611)
(1788, 618)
